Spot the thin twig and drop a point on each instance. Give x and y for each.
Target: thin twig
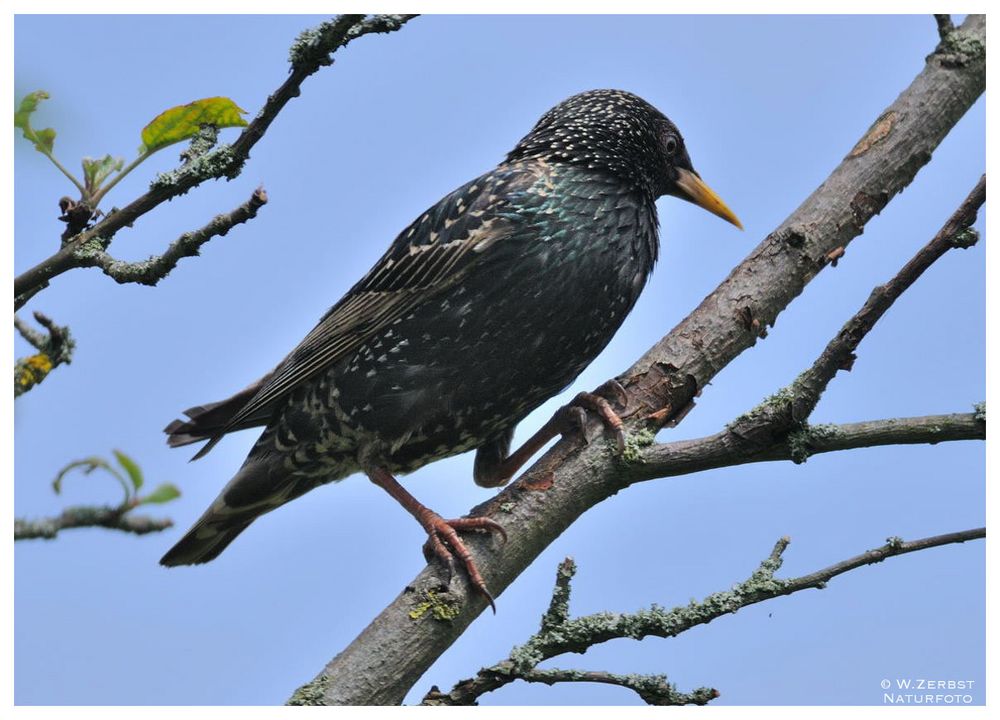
(789, 408)
(151, 271)
(839, 353)
(309, 53)
(653, 689)
(577, 635)
(35, 338)
(114, 518)
(944, 26)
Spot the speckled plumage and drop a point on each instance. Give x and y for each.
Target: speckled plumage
(487, 305)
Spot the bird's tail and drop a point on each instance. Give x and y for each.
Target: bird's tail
(213, 420)
(203, 542)
(261, 485)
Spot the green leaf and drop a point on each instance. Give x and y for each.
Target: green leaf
(163, 493)
(134, 473)
(183, 122)
(95, 172)
(28, 105)
(43, 139)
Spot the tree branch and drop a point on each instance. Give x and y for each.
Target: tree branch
(309, 53)
(151, 271)
(839, 353)
(944, 26)
(54, 349)
(382, 663)
(114, 518)
(560, 635)
(788, 409)
(653, 689)
(778, 428)
(724, 450)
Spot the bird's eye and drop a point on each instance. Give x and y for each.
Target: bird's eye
(670, 144)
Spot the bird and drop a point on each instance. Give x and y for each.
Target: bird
(491, 302)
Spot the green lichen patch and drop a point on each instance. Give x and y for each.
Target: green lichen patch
(634, 444)
(441, 607)
(965, 239)
(311, 693)
(767, 406)
(523, 657)
(959, 48)
(92, 248)
(217, 163)
(802, 443)
(980, 410)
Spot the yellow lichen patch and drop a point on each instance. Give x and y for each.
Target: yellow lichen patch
(33, 369)
(441, 609)
(876, 133)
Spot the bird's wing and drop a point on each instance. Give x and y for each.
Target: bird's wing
(432, 254)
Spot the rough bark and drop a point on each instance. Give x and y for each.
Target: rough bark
(400, 644)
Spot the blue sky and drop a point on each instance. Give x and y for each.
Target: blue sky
(767, 105)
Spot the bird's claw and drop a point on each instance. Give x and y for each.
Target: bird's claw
(571, 420)
(613, 390)
(598, 402)
(444, 543)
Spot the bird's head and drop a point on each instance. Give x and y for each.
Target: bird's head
(623, 135)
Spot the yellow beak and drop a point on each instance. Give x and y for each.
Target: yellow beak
(695, 190)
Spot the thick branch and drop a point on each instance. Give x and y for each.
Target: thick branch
(309, 53)
(578, 635)
(394, 650)
(114, 518)
(54, 349)
(151, 271)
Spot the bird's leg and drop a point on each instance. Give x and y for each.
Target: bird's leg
(442, 535)
(568, 420)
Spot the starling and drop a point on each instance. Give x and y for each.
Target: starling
(487, 305)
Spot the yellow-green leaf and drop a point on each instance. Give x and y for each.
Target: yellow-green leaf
(134, 473)
(183, 122)
(28, 105)
(163, 493)
(43, 139)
